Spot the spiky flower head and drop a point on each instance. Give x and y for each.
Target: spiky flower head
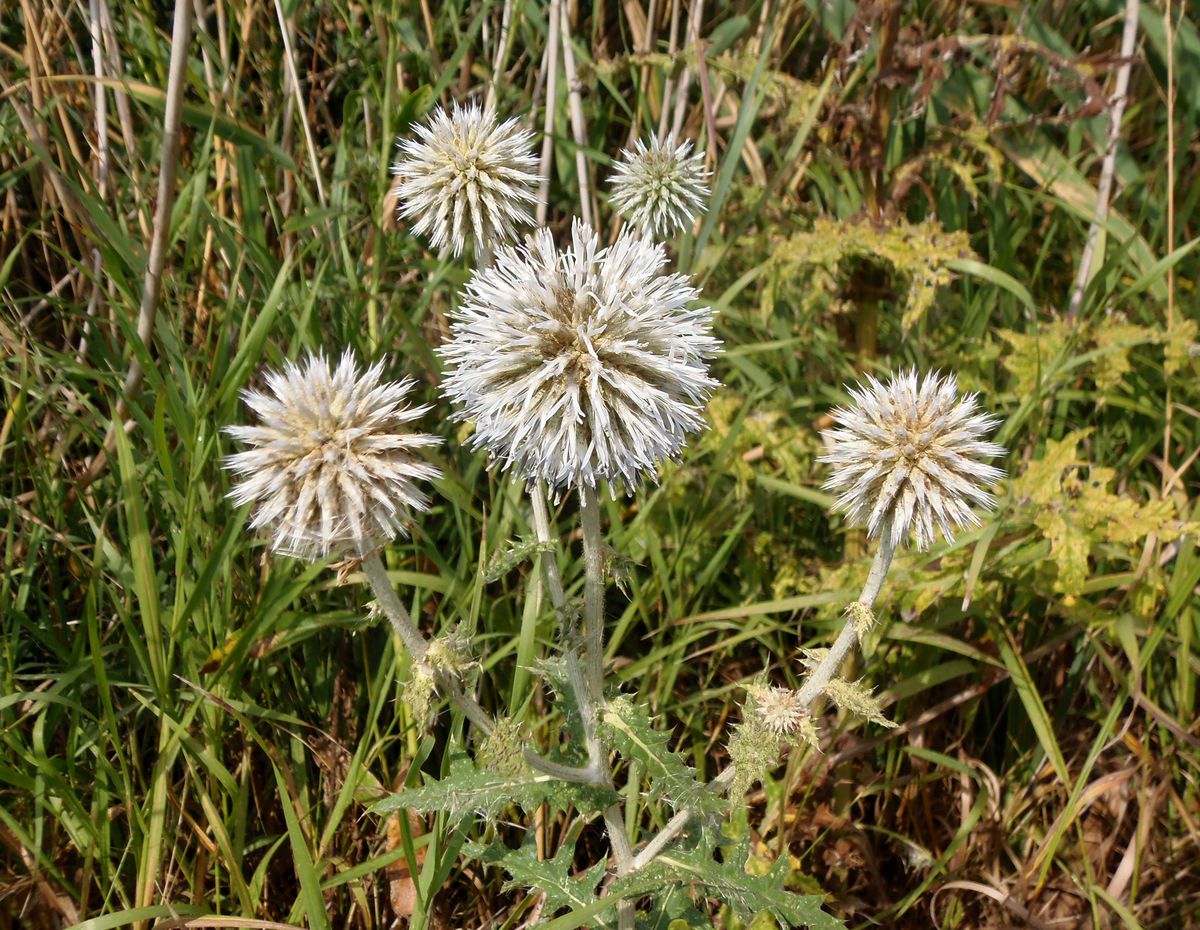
(907, 454)
(659, 187)
(332, 468)
(466, 176)
(780, 710)
(580, 365)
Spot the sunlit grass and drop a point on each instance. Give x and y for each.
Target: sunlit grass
(190, 728)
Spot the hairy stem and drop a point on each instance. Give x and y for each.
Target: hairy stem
(416, 643)
(583, 775)
(829, 666)
(545, 535)
(590, 690)
(593, 590)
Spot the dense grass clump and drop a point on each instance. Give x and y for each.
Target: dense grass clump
(189, 728)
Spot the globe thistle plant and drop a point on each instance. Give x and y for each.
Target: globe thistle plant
(659, 187)
(467, 176)
(332, 468)
(907, 457)
(581, 365)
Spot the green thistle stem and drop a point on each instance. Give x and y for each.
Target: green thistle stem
(593, 614)
(541, 527)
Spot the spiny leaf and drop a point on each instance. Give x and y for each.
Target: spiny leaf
(729, 882)
(466, 790)
(505, 560)
(553, 877)
(675, 911)
(856, 698)
(628, 728)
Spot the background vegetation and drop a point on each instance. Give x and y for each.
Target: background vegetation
(190, 728)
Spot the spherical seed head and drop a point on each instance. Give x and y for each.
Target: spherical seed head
(906, 456)
(659, 187)
(580, 365)
(332, 468)
(465, 176)
(780, 710)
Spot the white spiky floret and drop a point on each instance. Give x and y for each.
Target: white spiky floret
(660, 187)
(332, 468)
(907, 457)
(581, 365)
(780, 710)
(467, 176)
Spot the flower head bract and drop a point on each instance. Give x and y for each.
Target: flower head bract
(908, 455)
(467, 176)
(580, 365)
(331, 468)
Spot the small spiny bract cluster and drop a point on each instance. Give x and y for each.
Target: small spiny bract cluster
(581, 365)
(780, 710)
(332, 468)
(659, 187)
(467, 177)
(906, 458)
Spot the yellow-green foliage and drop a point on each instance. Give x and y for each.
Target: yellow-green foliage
(761, 440)
(1036, 358)
(1072, 503)
(916, 255)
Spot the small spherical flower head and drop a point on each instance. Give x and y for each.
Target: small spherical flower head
(581, 365)
(906, 457)
(332, 468)
(659, 187)
(780, 710)
(466, 176)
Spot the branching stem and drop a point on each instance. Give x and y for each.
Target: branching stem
(587, 683)
(813, 686)
(416, 643)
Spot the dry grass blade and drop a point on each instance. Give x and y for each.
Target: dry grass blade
(181, 36)
(1108, 166)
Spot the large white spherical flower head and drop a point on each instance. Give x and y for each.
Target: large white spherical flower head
(332, 468)
(581, 365)
(659, 187)
(906, 457)
(466, 176)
